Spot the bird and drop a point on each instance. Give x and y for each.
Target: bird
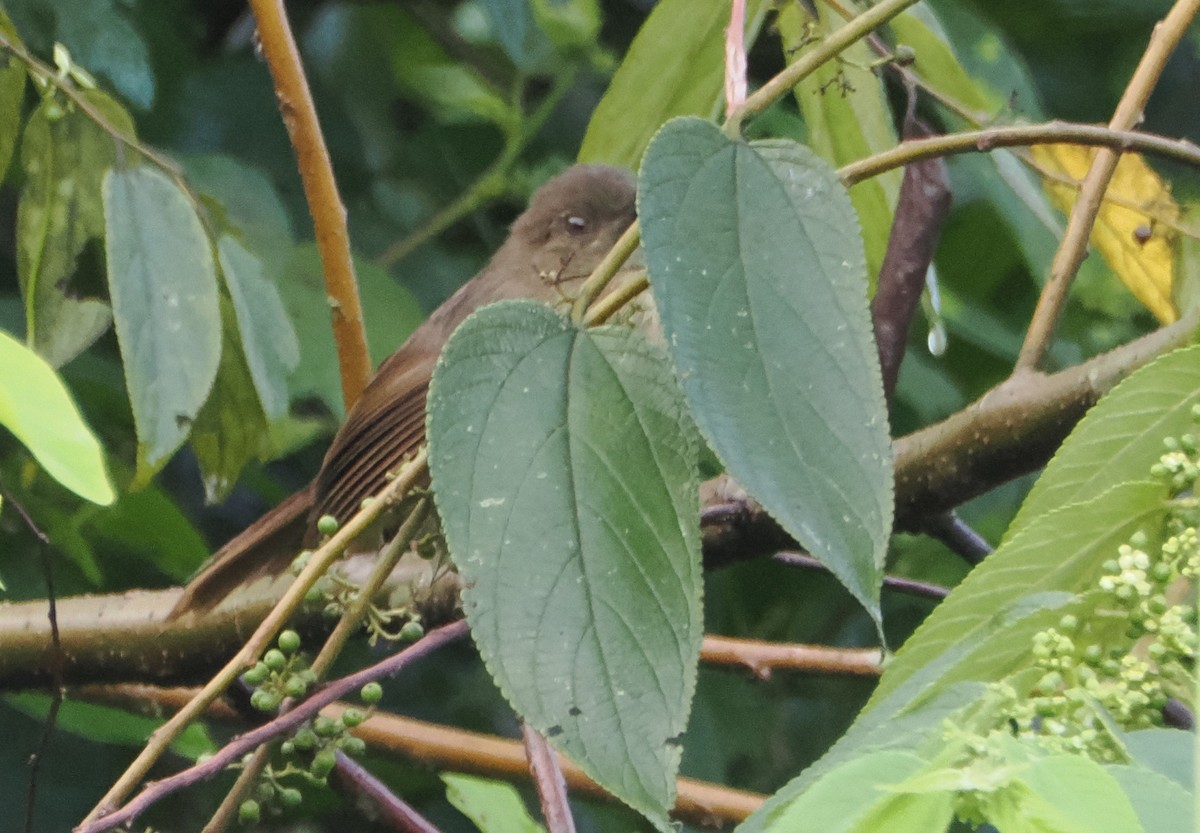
(570, 224)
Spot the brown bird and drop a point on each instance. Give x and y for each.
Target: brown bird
(571, 222)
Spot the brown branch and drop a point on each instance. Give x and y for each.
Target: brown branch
(764, 657)
(1073, 246)
(320, 190)
(548, 779)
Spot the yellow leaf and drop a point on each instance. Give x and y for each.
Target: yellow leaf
(1134, 228)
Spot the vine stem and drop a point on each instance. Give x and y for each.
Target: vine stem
(1073, 247)
(320, 190)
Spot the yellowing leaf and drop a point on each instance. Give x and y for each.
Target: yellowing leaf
(1133, 231)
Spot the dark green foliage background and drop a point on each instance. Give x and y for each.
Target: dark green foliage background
(188, 73)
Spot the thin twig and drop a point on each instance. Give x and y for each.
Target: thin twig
(320, 190)
(320, 561)
(282, 725)
(982, 141)
(605, 270)
(763, 657)
(548, 780)
(352, 777)
(898, 583)
(1073, 246)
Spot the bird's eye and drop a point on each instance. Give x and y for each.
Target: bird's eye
(576, 223)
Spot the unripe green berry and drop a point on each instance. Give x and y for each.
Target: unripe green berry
(352, 746)
(301, 561)
(305, 739)
(353, 717)
(371, 693)
(323, 764)
(290, 797)
(257, 675)
(1068, 623)
(295, 686)
(411, 632)
(287, 749)
(264, 792)
(275, 660)
(249, 812)
(327, 525)
(324, 726)
(264, 701)
(289, 642)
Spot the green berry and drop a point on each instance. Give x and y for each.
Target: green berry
(352, 746)
(249, 812)
(290, 797)
(411, 632)
(327, 525)
(275, 660)
(301, 561)
(323, 764)
(371, 693)
(264, 792)
(264, 701)
(257, 675)
(325, 727)
(295, 686)
(353, 717)
(289, 642)
(305, 739)
(287, 749)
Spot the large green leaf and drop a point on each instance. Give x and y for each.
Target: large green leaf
(1063, 794)
(1058, 551)
(565, 474)
(163, 285)
(64, 155)
(758, 272)
(267, 338)
(1162, 805)
(36, 407)
(655, 82)
(1119, 439)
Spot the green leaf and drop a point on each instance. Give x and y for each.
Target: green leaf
(757, 269)
(36, 407)
(846, 111)
(1121, 438)
(570, 24)
(389, 311)
(525, 44)
(565, 474)
(1058, 551)
(855, 797)
(1162, 805)
(1062, 794)
(494, 806)
(149, 525)
(268, 341)
(64, 155)
(104, 42)
(12, 95)
(654, 84)
(231, 429)
(1170, 752)
(246, 201)
(163, 285)
(936, 63)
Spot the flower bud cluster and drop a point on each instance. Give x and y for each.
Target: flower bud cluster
(1136, 647)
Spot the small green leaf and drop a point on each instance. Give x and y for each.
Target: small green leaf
(268, 341)
(656, 83)
(36, 407)
(758, 272)
(163, 285)
(64, 155)
(1062, 794)
(1121, 438)
(494, 806)
(565, 474)
(231, 429)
